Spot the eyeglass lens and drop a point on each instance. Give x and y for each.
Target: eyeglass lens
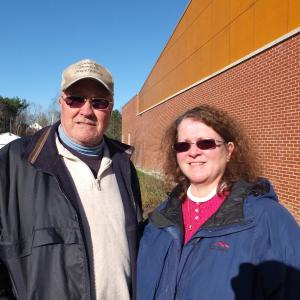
(78, 101)
(201, 144)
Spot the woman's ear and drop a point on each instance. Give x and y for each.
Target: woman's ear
(230, 148)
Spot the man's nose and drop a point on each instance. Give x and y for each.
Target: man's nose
(87, 108)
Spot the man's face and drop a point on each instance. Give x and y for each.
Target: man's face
(85, 125)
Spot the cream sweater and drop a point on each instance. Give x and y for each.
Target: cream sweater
(103, 207)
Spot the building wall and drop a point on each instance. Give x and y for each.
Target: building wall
(211, 35)
(263, 93)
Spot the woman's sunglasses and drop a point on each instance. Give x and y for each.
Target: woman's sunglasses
(78, 101)
(205, 144)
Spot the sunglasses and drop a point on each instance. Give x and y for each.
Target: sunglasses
(204, 144)
(78, 101)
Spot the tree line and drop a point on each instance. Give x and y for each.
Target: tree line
(18, 115)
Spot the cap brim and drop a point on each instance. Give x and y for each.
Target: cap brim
(86, 77)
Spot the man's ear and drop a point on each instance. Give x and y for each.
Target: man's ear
(112, 105)
(59, 98)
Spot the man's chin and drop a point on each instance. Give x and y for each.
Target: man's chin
(90, 141)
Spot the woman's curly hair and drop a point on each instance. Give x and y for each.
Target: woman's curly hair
(243, 163)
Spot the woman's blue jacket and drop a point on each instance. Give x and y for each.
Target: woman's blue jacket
(249, 249)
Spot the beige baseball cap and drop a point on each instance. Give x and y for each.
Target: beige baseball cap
(87, 68)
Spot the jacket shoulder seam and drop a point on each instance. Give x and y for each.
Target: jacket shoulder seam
(38, 146)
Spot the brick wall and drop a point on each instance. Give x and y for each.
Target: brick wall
(263, 93)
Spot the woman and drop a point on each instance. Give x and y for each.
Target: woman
(221, 234)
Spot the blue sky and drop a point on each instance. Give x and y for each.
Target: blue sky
(39, 38)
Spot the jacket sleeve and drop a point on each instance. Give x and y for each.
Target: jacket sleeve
(274, 270)
(281, 277)
(136, 192)
(291, 250)
(5, 282)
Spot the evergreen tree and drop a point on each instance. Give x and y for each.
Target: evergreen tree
(115, 125)
(10, 109)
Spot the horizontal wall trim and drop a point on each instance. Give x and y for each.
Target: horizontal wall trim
(237, 62)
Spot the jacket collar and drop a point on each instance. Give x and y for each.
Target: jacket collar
(42, 151)
(170, 213)
(230, 212)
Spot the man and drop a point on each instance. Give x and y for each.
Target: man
(70, 201)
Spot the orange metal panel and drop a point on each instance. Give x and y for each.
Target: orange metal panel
(180, 75)
(220, 50)
(242, 35)
(213, 34)
(238, 7)
(220, 15)
(270, 21)
(192, 13)
(200, 63)
(293, 14)
(173, 57)
(204, 26)
(197, 34)
(200, 31)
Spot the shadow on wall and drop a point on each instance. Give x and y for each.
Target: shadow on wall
(271, 280)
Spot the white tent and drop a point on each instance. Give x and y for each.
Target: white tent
(6, 138)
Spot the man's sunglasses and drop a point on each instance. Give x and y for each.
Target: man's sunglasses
(78, 101)
(204, 144)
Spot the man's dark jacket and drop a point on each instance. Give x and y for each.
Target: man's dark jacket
(45, 241)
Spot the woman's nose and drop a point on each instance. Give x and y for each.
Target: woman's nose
(194, 150)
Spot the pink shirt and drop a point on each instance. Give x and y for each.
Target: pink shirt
(196, 214)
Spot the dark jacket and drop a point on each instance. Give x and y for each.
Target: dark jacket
(248, 250)
(45, 241)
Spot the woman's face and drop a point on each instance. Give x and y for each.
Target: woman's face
(204, 168)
